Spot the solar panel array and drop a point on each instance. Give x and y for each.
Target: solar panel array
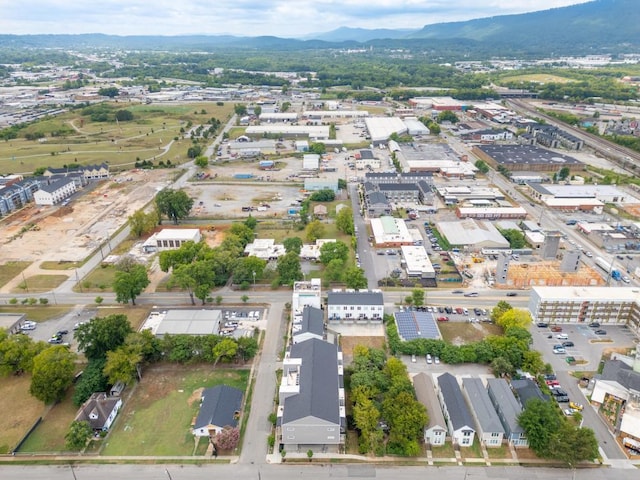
(416, 325)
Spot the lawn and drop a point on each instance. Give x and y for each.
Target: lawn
(459, 333)
(39, 283)
(445, 451)
(136, 315)
(99, 279)
(10, 270)
(59, 265)
(74, 138)
(25, 410)
(156, 419)
(49, 434)
(474, 451)
(499, 452)
(37, 313)
(536, 78)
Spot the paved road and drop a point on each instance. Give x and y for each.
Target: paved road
(303, 471)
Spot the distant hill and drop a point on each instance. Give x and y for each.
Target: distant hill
(359, 34)
(601, 24)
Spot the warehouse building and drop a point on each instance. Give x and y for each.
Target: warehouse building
(526, 158)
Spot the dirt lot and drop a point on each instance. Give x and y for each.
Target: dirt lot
(71, 233)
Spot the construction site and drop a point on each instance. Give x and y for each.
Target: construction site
(548, 273)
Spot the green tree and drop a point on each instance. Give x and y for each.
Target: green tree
(129, 284)
(324, 195)
(501, 367)
(447, 116)
(251, 222)
(514, 237)
(334, 250)
(102, 334)
(257, 110)
(224, 349)
(142, 223)
(482, 166)
(109, 92)
(418, 296)
(314, 231)
(541, 421)
(333, 270)
(318, 148)
(240, 109)
(52, 375)
(124, 115)
(174, 204)
(289, 268)
(78, 435)
(246, 267)
(243, 232)
(293, 244)
(514, 317)
(500, 308)
(344, 221)
(573, 445)
(121, 364)
(354, 278)
(92, 380)
(201, 161)
(564, 173)
(244, 298)
(17, 353)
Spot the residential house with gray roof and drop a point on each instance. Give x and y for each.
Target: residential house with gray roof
(100, 411)
(526, 389)
(455, 410)
(488, 426)
(435, 432)
(355, 305)
(311, 411)
(220, 407)
(508, 410)
(307, 325)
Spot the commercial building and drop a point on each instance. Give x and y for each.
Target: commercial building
(491, 213)
(381, 128)
(312, 132)
(605, 305)
(184, 322)
(417, 262)
(390, 232)
(172, 238)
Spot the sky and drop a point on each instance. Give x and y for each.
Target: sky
(282, 18)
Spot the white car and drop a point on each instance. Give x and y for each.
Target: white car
(562, 336)
(436, 360)
(429, 359)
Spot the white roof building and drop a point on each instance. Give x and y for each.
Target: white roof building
(415, 126)
(171, 238)
(418, 263)
(310, 161)
(265, 249)
(472, 233)
(381, 128)
(278, 117)
(390, 231)
(311, 251)
(184, 322)
(314, 132)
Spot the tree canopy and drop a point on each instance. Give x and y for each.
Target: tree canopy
(52, 375)
(334, 250)
(174, 204)
(102, 334)
(129, 282)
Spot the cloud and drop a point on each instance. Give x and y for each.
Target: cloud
(284, 18)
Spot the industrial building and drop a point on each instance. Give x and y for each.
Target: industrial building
(526, 158)
(390, 232)
(172, 238)
(417, 262)
(473, 234)
(184, 322)
(381, 128)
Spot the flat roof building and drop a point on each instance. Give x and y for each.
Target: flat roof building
(605, 305)
(472, 233)
(390, 232)
(172, 238)
(184, 322)
(417, 261)
(526, 158)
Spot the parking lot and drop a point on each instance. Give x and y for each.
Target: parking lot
(587, 348)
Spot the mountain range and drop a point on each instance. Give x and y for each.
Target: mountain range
(599, 26)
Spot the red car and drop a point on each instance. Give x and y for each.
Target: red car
(443, 319)
(553, 383)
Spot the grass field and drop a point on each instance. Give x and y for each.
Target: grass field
(55, 265)
(14, 391)
(136, 315)
(537, 78)
(9, 270)
(74, 138)
(37, 313)
(49, 434)
(98, 280)
(156, 420)
(445, 451)
(40, 283)
(461, 333)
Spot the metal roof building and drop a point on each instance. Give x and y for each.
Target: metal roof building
(489, 427)
(472, 233)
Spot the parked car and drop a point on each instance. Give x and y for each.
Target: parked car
(594, 324)
(457, 292)
(559, 350)
(569, 412)
(600, 332)
(443, 319)
(413, 359)
(436, 360)
(542, 324)
(562, 336)
(556, 328)
(511, 294)
(568, 344)
(429, 359)
(576, 406)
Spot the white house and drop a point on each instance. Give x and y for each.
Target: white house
(455, 410)
(489, 427)
(100, 411)
(435, 432)
(350, 305)
(55, 192)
